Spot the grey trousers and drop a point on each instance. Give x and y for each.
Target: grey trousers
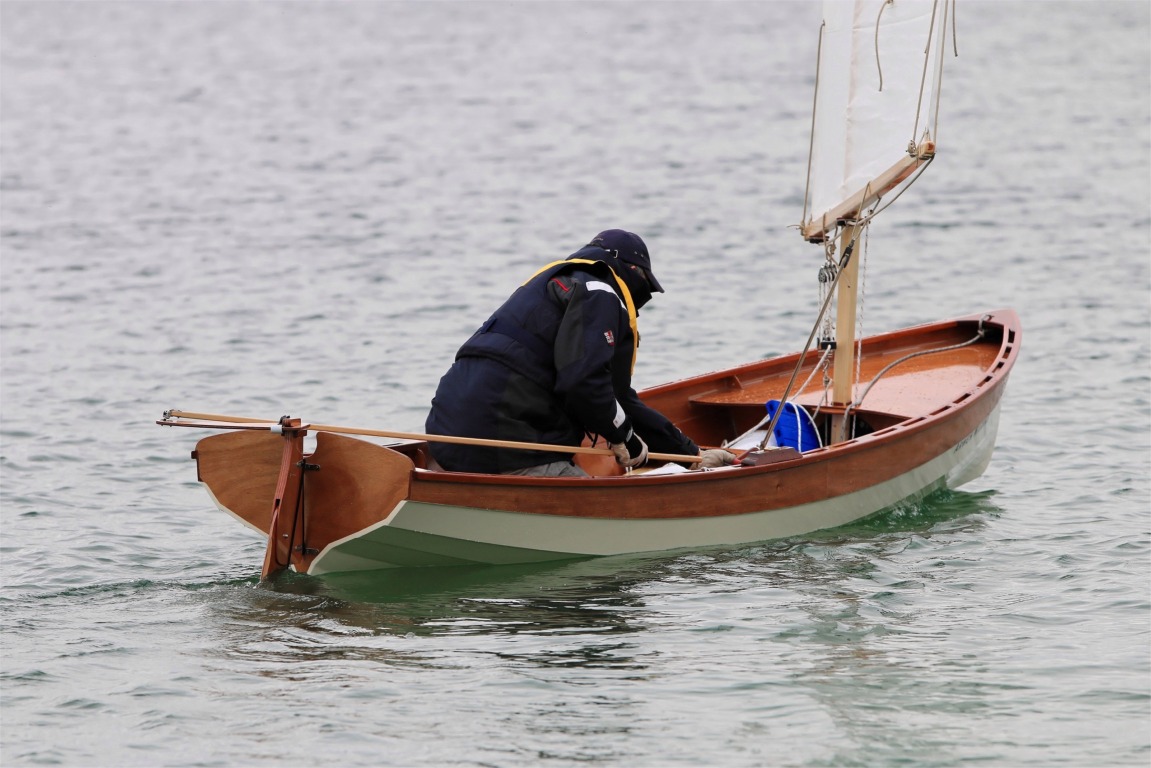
(554, 469)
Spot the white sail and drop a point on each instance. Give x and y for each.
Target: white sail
(880, 66)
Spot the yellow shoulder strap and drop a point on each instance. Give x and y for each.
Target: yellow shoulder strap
(631, 313)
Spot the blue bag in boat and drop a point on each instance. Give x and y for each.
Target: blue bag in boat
(795, 429)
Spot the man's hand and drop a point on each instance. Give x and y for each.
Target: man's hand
(632, 452)
(716, 457)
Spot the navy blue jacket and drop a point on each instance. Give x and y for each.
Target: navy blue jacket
(552, 364)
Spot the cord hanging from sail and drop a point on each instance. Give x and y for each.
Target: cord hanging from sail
(878, 65)
(866, 236)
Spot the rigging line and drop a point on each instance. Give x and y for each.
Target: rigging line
(829, 269)
(876, 211)
(954, 30)
(819, 365)
(811, 141)
(979, 334)
(826, 277)
(843, 262)
(923, 76)
(879, 16)
(862, 293)
(861, 223)
(955, 47)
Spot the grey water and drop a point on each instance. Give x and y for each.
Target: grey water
(262, 209)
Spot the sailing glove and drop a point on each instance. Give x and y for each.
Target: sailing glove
(632, 452)
(716, 457)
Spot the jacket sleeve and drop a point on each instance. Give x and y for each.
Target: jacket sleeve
(656, 429)
(593, 351)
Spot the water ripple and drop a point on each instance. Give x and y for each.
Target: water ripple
(264, 209)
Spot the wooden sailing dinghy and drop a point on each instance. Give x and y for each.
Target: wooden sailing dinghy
(875, 422)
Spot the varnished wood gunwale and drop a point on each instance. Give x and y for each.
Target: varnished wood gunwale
(821, 474)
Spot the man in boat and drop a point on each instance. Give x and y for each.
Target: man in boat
(554, 364)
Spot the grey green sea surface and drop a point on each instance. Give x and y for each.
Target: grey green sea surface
(304, 208)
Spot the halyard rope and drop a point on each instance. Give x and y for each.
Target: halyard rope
(811, 142)
(843, 262)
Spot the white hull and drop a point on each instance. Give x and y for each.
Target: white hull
(419, 534)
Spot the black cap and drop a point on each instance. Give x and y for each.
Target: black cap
(630, 249)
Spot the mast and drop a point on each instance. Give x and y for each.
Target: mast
(873, 130)
(845, 315)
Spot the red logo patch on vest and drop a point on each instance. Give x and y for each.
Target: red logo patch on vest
(610, 338)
